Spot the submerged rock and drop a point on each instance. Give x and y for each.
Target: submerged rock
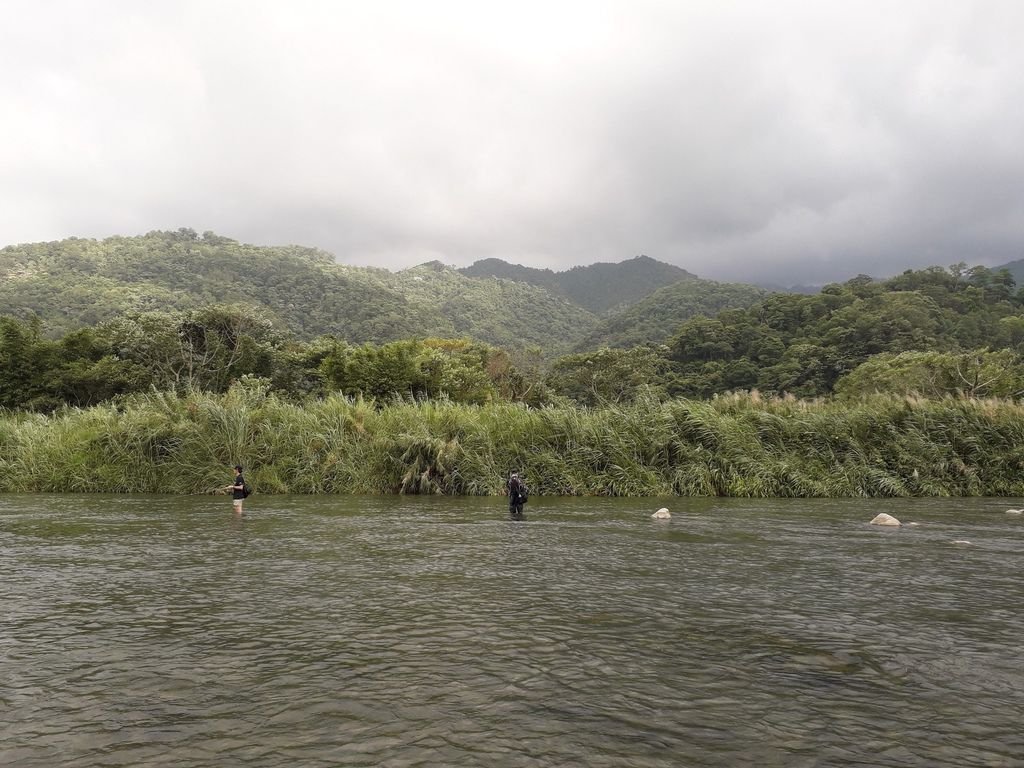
(662, 514)
(1014, 511)
(884, 519)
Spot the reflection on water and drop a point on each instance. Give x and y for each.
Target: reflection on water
(153, 631)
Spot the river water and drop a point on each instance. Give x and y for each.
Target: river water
(409, 631)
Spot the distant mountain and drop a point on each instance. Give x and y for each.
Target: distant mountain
(543, 278)
(1016, 269)
(656, 318)
(76, 282)
(504, 312)
(600, 288)
(82, 282)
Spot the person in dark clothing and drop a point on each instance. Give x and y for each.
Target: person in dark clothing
(516, 495)
(237, 490)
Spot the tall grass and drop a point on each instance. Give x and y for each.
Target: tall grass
(731, 446)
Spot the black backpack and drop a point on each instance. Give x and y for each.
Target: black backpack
(246, 490)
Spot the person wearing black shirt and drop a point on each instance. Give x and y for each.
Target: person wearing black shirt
(237, 490)
(516, 495)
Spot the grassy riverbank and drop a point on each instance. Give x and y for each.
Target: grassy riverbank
(732, 446)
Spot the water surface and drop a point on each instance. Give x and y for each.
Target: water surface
(328, 631)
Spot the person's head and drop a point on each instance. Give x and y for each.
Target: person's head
(238, 469)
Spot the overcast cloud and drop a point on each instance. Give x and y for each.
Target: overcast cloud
(796, 141)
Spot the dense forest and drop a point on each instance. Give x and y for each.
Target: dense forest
(112, 379)
(656, 318)
(76, 283)
(964, 325)
(932, 332)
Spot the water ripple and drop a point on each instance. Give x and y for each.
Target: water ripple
(148, 631)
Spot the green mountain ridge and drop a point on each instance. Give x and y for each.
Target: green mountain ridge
(84, 321)
(81, 282)
(601, 288)
(656, 318)
(75, 282)
(1015, 268)
(544, 278)
(503, 312)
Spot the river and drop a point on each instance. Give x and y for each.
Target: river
(415, 631)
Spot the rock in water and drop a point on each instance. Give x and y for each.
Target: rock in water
(661, 514)
(884, 519)
(1014, 511)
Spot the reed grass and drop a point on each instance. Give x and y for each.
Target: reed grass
(743, 445)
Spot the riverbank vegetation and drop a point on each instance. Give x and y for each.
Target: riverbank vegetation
(901, 387)
(738, 445)
(935, 332)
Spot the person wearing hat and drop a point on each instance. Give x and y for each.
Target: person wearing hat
(516, 496)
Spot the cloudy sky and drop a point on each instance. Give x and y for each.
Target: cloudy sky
(798, 141)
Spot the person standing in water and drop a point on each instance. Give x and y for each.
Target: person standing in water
(237, 490)
(516, 496)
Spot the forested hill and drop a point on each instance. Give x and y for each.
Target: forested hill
(81, 282)
(932, 332)
(76, 282)
(506, 313)
(600, 288)
(657, 318)
(1015, 268)
(544, 278)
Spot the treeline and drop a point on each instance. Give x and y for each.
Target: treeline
(932, 332)
(965, 324)
(209, 349)
(739, 445)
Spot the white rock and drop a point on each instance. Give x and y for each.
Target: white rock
(961, 541)
(1014, 511)
(884, 519)
(661, 514)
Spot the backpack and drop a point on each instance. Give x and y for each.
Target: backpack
(246, 490)
(524, 493)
